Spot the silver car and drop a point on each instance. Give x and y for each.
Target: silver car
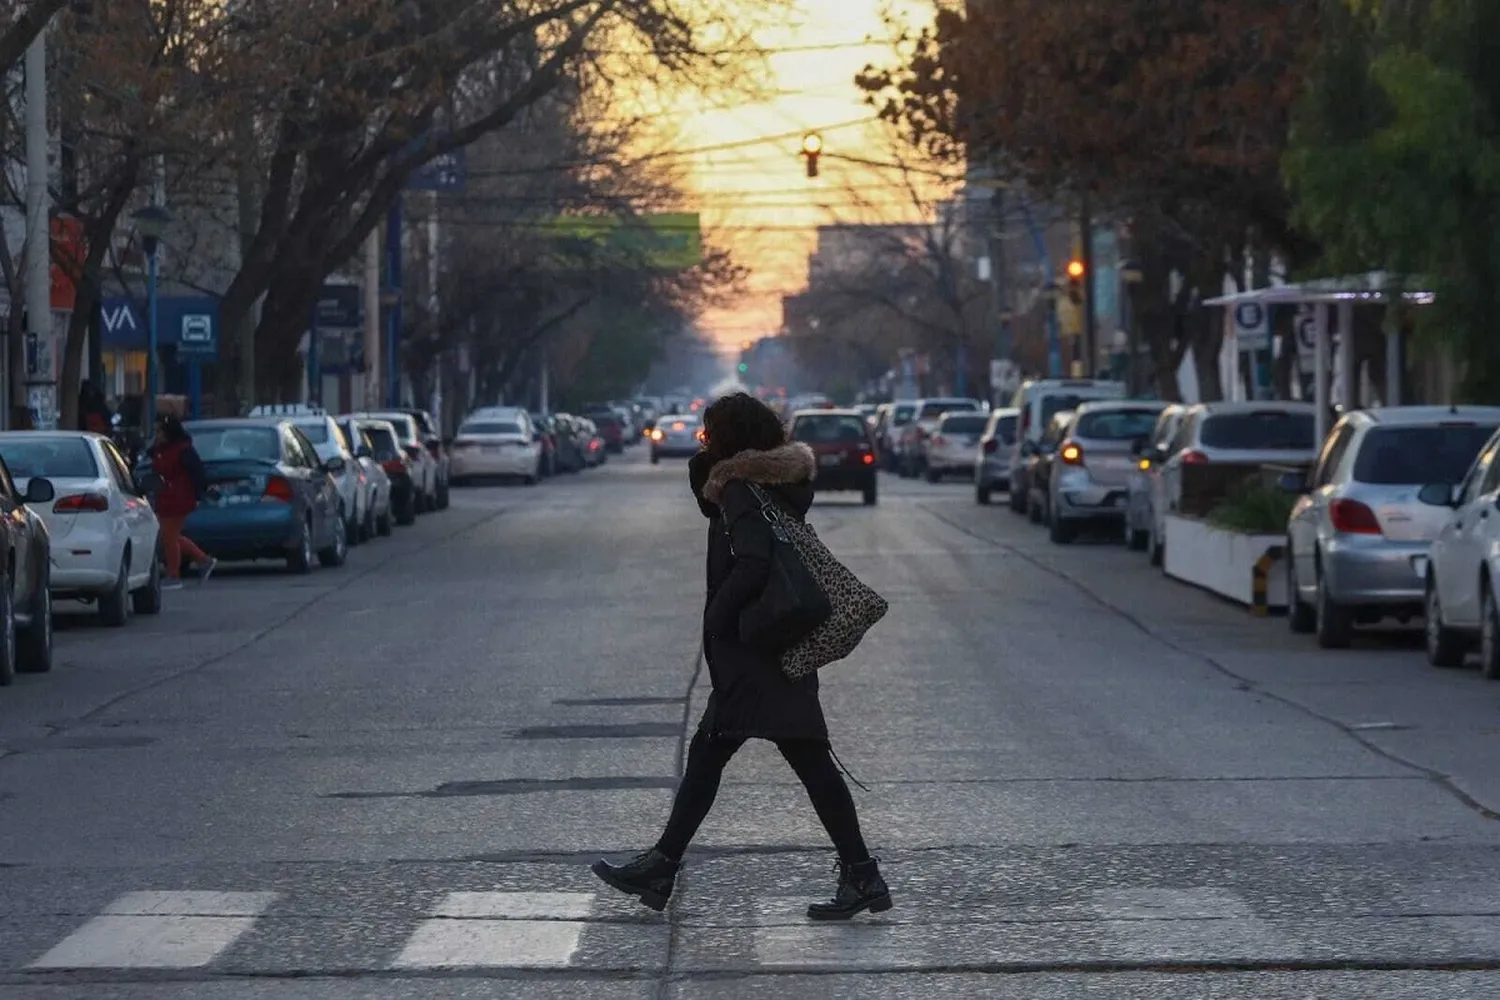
(1358, 537)
(679, 436)
(952, 445)
(1090, 474)
(1145, 480)
(992, 464)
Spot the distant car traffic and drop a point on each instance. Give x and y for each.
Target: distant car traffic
(678, 436)
(497, 441)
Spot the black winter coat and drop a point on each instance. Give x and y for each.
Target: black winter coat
(751, 697)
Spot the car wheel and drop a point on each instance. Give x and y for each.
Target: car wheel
(337, 552)
(367, 524)
(1059, 531)
(34, 643)
(114, 607)
(1445, 647)
(1489, 634)
(442, 499)
(406, 512)
(7, 633)
(1154, 544)
(300, 559)
(934, 475)
(1136, 539)
(147, 600)
(383, 525)
(870, 495)
(982, 495)
(1335, 623)
(351, 531)
(1301, 617)
(655, 458)
(529, 480)
(1033, 510)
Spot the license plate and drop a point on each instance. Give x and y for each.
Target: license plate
(827, 460)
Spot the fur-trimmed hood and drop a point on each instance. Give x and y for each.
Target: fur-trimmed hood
(786, 465)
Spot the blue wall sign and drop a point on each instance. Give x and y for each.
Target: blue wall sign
(188, 323)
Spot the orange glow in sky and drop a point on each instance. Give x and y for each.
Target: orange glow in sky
(756, 199)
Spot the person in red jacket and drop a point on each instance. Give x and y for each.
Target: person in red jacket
(184, 481)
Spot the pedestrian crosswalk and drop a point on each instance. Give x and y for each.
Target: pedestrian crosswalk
(424, 930)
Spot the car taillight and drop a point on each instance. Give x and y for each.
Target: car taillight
(1071, 454)
(1350, 517)
(79, 502)
(280, 489)
(1191, 457)
(393, 466)
(991, 446)
(868, 458)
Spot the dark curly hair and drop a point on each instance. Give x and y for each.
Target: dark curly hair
(740, 422)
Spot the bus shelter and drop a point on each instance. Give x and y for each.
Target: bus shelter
(1326, 295)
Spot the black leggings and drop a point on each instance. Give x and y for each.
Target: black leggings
(813, 762)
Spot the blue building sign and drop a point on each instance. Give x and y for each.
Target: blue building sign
(189, 324)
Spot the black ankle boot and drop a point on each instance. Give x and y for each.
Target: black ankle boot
(860, 888)
(650, 876)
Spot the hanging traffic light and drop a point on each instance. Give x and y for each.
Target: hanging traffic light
(812, 147)
(1075, 280)
(744, 368)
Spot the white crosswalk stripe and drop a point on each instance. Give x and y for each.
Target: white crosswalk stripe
(499, 930)
(1189, 923)
(159, 930)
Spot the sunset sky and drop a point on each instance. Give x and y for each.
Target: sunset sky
(755, 198)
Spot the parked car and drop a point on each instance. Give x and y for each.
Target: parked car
(992, 463)
(26, 597)
(572, 444)
(100, 522)
(679, 436)
(1037, 401)
(546, 435)
(924, 423)
(376, 481)
(430, 434)
(425, 471)
(328, 438)
(845, 450)
(497, 442)
(888, 429)
(1038, 467)
(398, 466)
(597, 452)
(951, 448)
(611, 426)
(1144, 487)
(274, 498)
(1090, 471)
(1358, 537)
(1247, 433)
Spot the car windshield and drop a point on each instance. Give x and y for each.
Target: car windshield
(964, 424)
(1005, 429)
(1058, 403)
(902, 414)
(229, 444)
(382, 442)
(1414, 456)
(58, 458)
(1116, 425)
(931, 411)
(317, 431)
(1259, 430)
(492, 427)
(829, 430)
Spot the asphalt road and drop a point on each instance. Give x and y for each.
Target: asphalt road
(386, 781)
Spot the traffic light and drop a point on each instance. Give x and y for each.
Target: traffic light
(744, 368)
(812, 147)
(1075, 280)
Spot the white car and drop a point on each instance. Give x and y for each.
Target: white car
(1462, 604)
(426, 473)
(376, 481)
(328, 440)
(497, 442)
(103, 530)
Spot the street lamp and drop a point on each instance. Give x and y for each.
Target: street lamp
(151, 223)
(812, 147)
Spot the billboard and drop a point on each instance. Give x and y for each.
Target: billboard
(668, 242)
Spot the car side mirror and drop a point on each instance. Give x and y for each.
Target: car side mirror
(147, 483)
(334, 465)
(363, 451)
(40, 490)
(1438, 495)
(1294, 483)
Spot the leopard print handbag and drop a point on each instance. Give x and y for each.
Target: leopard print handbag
(856, 607)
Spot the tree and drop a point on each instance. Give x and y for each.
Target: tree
(379, 90)
(1169, 113)
(20, 26)
(1395, 164)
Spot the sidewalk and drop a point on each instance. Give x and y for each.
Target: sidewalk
(1382, 692)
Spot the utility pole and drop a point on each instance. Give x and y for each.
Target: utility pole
(372, 381)
(435, 405)
(1086, 250)
(998, 297)
(38, 360)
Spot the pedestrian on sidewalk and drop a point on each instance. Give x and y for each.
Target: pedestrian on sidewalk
(751, 698)
(184, 483)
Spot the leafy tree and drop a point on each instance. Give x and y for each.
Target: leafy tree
(20, 25)
(1395, 163)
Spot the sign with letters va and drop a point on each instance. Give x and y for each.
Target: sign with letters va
(119, 317)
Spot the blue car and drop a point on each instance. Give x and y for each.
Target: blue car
(271, 497)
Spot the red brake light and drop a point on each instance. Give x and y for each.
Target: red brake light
(279, 488)
(1350, 517)
(991, 446)
(79, 502)
(1191, 457)
(393, 466)
(868, 458)
(1071, 454)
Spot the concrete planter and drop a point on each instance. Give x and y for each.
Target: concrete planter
(1241, 567)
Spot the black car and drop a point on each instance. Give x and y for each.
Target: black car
(26, 597)
(387, 450)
